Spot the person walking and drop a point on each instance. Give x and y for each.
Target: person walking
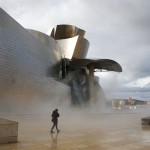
(55, 116)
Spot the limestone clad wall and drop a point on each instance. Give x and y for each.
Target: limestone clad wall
(8, 131)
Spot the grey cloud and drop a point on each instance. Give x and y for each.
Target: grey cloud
(125, 42)
(148, 85)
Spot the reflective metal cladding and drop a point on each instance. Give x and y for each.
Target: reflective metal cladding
(37, 68)
(71, 40)
(77, 69)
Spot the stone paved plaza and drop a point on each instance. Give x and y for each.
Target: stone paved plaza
(109, 131)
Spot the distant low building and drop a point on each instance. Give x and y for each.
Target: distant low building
(123, 103)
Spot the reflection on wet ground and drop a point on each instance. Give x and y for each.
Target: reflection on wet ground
(81, 132)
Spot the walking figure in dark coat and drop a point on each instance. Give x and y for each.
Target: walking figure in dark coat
(55, 116)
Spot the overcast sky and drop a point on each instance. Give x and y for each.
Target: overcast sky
(116, 29)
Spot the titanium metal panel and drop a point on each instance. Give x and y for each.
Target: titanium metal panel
(100, 64)
(67, 31)
(50, 43)
(71, 40)
(67, 46)
(81, 48)
(26, 64)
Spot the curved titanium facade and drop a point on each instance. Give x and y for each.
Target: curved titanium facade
(66, 31)
(71, 40)
(100, 64)
(79, 70)
(50, 43)
(27, 70)
(38, 70)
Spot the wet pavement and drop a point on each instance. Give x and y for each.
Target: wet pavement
(117, 131)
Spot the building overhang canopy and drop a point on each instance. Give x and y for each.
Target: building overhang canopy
(98, 64)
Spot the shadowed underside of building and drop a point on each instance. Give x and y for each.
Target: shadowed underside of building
(38, 70)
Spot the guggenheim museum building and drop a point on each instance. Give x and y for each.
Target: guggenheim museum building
(37, 69)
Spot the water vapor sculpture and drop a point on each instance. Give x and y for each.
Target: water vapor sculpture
(40, 68)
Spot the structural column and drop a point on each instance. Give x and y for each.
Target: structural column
(91, 84)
